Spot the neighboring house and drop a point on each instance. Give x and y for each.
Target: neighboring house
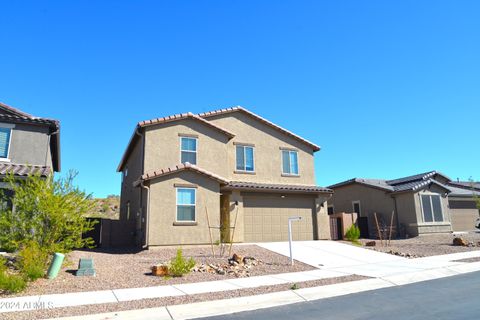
(178, 170)
(424, 203)
(28, 144)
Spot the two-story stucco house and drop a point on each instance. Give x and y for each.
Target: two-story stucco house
(28, 144)
(181, 169)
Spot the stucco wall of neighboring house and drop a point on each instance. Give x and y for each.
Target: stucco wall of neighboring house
(432, 227)
(162, 230)
(162, 146)
(129, 193)
(323, 220)
(371, 200)
(406, 213)
(30, 144)
(267, 153)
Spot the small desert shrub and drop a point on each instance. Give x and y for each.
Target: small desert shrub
(10, 283)
(32, 261)
(179, 265)
(353, 234)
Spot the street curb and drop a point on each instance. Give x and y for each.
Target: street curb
(276, 299)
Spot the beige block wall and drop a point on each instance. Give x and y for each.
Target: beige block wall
(267, 153)
(162, 230)
(162, 146)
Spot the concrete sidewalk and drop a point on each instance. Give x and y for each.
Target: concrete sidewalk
(222, 307)
(332, 259)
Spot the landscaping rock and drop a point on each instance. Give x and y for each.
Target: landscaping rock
(237, 258)
(370, 244)
(460, 242)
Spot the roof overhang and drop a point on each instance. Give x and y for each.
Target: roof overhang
(275, 188)
(176, 169)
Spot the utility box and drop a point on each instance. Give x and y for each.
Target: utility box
(85, 268)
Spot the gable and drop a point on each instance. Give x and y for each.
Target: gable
(255, 120)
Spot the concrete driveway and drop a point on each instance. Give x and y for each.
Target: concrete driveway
(350, 259)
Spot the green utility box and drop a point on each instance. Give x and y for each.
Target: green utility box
(55, 266)
(85, 268)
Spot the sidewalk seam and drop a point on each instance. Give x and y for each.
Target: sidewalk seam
(168, 311)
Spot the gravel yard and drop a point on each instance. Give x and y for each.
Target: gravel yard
(120, 269)
(152, 303)
(428, 245)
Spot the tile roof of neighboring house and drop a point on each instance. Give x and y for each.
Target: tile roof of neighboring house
(263, 120)
(24, 170)
(276, 187)
(463, 192)
(465, 184)
(175, 117)
(410, 183)
(17, 116)
(179, 167)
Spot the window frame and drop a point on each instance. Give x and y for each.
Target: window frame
(9, 126)
(442, 211)
(190, 151)
(359, 207)
(177, 204)
(333, 209)
(289, 174)
(245, 146)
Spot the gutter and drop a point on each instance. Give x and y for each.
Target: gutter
(147, 214)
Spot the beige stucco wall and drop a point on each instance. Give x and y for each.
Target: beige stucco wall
(267, 154)
(162, 146)
(129, 193)
(371, 200)
(432, 227)
(162, 230)
(407, 215)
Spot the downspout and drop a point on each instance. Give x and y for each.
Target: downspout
(147, 214)
(48, 144)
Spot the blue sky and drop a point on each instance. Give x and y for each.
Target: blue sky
(387, 88)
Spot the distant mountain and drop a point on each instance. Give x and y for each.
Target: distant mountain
(108, 207)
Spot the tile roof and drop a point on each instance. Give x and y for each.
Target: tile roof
(179, 167)
(23, 170)
(182, 116)
(261, 119)
(20, 116)
(463, 192)
(465, 184)
(276, 187)
(405, 184)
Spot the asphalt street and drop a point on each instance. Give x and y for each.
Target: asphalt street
(449, 298)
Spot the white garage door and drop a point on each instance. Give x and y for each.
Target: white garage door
(266, 218)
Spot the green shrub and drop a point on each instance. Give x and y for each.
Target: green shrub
(48, 211)
(10, 283)
(353, 234)
(32, 261)
(179, 265)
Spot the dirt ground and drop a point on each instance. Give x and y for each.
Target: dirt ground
(428, 245)
(118, 269)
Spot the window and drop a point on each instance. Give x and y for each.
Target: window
(245, 158)
(5, 133)
(330, 210)
(290, 162)
(186, 204)
(356, 207)
(432, 208)
(188, 149)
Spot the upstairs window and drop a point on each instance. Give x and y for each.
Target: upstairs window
(290, 162)
(245, 158)
(186, 204)
(5, 134)
(188, 149)
(432, 208)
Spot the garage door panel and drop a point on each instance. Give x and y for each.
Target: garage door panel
(266, 218)
(463, 219)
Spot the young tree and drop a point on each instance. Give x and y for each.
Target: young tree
(48, 211)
